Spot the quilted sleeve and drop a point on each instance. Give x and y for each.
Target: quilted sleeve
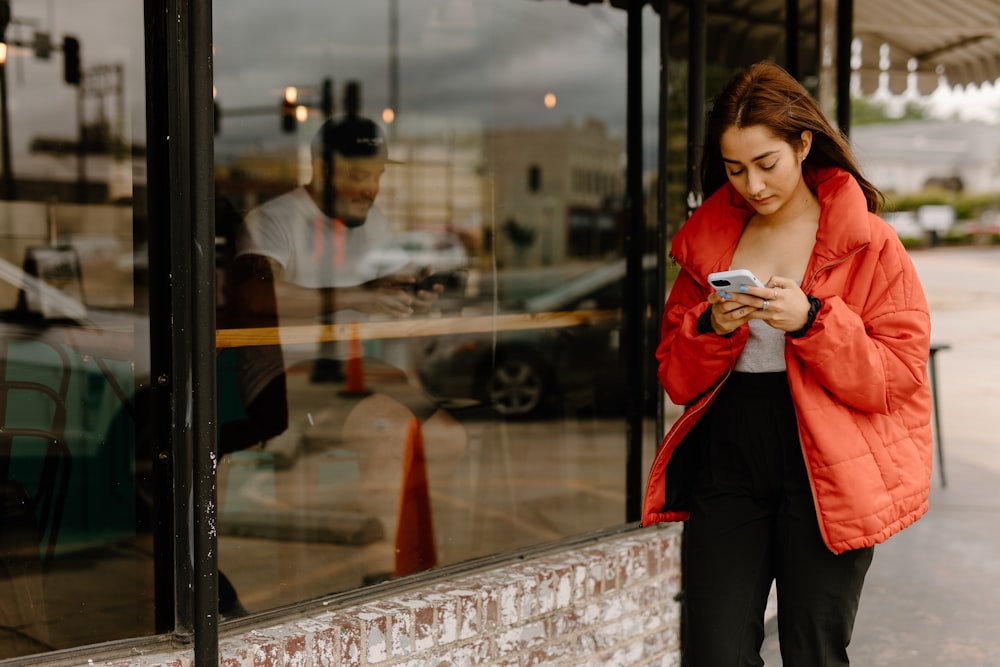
(870, 341)
(689, 362)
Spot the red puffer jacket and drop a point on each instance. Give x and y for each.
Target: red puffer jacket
(858, 377)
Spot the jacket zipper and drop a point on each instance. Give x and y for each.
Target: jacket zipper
(706, 400)
(812, 484)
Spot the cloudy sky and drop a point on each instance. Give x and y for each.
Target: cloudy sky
(486, 62)
(39, 102)
(464, 62)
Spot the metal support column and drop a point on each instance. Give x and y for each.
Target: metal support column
(5, 141)
(181, 134)
(661, 200)
(792, 38)
(393, 65)
(8, 170)
(634, 298)
(845, 35)
(160, 199)
(697, 39)
(203, 412)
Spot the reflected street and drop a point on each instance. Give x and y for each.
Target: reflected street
(318, 508)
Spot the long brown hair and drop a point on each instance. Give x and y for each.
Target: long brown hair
(766, 95)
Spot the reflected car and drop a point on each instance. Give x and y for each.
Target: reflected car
(527, 372)
(442, 253)
(68, 387)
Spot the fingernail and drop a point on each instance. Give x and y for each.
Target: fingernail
(724, 295)
(743, 288)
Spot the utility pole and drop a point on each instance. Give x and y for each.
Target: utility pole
(8, 174)
(393, 66)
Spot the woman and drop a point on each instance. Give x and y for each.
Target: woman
(806, 437)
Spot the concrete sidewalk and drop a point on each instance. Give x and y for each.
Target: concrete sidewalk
(932, 596)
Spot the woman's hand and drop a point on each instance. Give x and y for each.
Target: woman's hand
(781, 303)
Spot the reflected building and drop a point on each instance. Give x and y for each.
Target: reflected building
(531, 196)
(908, 157)
(557, 191)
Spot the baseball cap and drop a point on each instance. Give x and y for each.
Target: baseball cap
(352, 136)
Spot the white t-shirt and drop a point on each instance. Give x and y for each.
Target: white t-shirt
(315, 251)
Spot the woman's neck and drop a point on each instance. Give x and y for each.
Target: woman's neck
(803, 208)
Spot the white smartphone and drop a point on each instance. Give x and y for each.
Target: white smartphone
(728, 281)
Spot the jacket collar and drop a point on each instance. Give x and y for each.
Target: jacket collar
(707, 241)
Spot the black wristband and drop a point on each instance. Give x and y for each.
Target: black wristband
(705, 322)
(704, 325)
(814, 305)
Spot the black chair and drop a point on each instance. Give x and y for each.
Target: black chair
(47, 490)
(932, 372)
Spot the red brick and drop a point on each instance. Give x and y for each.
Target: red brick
(470, 621)
(423, 623)
(296, 654)
(326, 644)
(351, 642)
(375, 633)
(445, 618)
(521, 637)
(610, 603)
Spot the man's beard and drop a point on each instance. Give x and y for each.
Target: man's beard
(353, 213)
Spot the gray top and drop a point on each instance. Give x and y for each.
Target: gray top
(765, 350)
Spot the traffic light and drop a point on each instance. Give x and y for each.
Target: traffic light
(71, 60)
(289, 123)
(4, 18)
(326, 101)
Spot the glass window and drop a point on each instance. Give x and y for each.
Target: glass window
(421, 286)
(76, 551)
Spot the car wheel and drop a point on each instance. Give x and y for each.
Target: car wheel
(516, 387)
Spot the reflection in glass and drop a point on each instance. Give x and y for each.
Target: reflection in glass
(76, 554)
(396, 435)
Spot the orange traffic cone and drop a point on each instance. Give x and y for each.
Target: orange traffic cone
(415, 550)
(354, 382)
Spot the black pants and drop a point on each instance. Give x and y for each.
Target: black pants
(753, 521)
(266, 418)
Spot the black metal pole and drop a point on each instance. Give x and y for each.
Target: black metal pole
(189, 379)
(634, 298)
(792, 37)
(661, 200)
(160, 109)
(697, 38)
(8, 173)
(393, 64)
(202, 263)
(176, 379)
(845, 35)
(81, 142)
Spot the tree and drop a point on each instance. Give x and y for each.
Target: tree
(869, 111)
(520, 236)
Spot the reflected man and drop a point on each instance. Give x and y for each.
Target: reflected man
(321, 249)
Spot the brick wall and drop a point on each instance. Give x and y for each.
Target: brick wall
(609, 602)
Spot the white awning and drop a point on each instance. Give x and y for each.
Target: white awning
(957, 40)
